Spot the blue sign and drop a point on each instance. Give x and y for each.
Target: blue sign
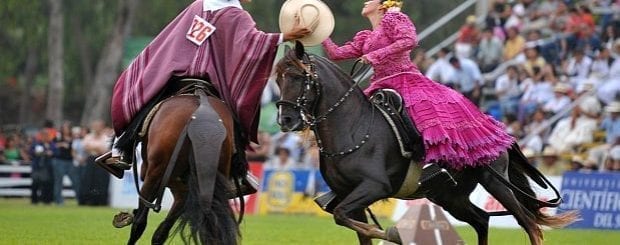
(303, 180)
(596, 196)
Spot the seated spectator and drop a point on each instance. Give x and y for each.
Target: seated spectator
(560, 101)
(601, 65)
(441, 70)
(609, 89)
(282, 160)
(490, 50)
(532, 60)
(573, 131)
(422, 61)
(507, 90)
(612, 164)
(467, 78)
(588, 40)
(536, 92)
(578, 67)
(467, 38)
(514, 44)
(290, 141)
(611, 125)
(551, 164)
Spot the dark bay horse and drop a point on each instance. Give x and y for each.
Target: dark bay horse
(203, 222)
(362, 163)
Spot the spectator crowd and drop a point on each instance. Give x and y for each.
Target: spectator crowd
(549, 69)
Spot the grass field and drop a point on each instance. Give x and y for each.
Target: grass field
(22, 223)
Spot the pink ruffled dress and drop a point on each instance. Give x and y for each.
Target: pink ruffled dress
(455, 131)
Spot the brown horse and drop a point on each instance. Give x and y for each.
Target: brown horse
(362, 162)
(209, 222)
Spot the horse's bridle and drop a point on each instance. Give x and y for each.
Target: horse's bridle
(308, 115)
(301, 102)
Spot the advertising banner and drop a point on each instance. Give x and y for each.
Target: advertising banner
(596, 196)
(293, 192)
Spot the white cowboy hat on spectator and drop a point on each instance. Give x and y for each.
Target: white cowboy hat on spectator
(561, 88)
(529, 153)
(313, 14)
(613, 107)
(549, 152)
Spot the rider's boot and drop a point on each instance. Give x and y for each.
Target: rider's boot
(249, 185)
(115, 165)
(435, 174)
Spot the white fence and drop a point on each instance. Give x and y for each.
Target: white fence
(11, 186)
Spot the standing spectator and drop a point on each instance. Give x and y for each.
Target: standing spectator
(467, 38)
(514, 44)
(13, 152)
(609, 35)
(79, 157)
(467, 78)
(42, 151)
(611, 125)
(95, 181)
(282, 160)
(62, 162)
(490, 50)
(613, 162)
(588, 40)
(560, 101)
(537, 91)
(507, 90)
(441, 70)
(290, 141)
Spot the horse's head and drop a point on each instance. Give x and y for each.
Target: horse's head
(299, 90)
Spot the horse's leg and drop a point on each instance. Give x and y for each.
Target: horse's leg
(179, 192)
(141, 214)
(507, 198)
(459, 206)
(359, 199)
(360, 216)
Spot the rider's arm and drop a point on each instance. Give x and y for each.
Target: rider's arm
(352, 49)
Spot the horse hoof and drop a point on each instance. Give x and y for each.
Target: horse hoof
(122, 219)
(393, 235)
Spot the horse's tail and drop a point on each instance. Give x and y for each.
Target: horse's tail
(518, 171)
(208, 225)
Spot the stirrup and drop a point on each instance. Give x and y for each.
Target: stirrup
(249, 185)
(432, 173)
(325, 200)
(116, 168)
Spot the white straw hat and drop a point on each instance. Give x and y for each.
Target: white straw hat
(314, 14)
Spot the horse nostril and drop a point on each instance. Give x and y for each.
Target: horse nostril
(287, 120)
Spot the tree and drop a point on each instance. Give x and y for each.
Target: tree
(98, 101)
(56, 91)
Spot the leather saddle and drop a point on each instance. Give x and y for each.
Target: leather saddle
(391, 105)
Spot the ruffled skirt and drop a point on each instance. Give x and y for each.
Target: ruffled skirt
(455, 131)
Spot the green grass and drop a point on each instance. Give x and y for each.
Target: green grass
(22, 223)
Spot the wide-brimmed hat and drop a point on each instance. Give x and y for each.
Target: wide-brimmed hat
(613, 107)
(313, 14)
(549, 152)
(561, 88)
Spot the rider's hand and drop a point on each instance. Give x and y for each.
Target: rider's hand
(297, 32)
(364, 59)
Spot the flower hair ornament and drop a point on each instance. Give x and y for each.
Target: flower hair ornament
(392, 5)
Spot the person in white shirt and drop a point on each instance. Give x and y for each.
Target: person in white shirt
(281, 161)
(507, 90)
(560, 101)
(467, 78)
(490, 51)
(573, 131)
(578, 67)
(440, 71)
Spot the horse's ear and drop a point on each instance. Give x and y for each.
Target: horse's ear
(299, 50)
